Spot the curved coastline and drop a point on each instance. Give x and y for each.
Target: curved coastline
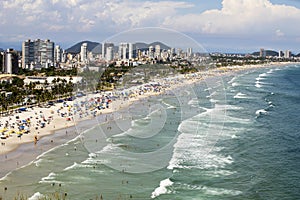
(26, 152)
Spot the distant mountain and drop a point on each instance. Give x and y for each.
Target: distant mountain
(162, 45)
(268, 53)
(1, 49)
(141, 45)
(96, 47)
(76, 48)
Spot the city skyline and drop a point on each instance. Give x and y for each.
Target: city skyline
(218, 25)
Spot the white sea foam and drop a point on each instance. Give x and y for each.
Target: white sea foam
(220, 191)
(220, 173)
(59, 146)
(263, 75)
(37, 162)
(169, 105)
(210, 190)
(232, 80)
(94, 159)
(71, 167)
(260, 78)
(36, 196)
(148, 126)
(233, 107)
(233, 136)
(6, 176)
(162, 189)
(234, 84)
(195, 145)
(258, 84)
(214, 101)
(240, 96)
(230, 119)
(49, 179)
(194, 102)
(207, 89)
(261, 112)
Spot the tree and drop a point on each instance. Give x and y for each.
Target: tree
(18, 82)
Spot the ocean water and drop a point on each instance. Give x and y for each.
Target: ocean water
(229, 137)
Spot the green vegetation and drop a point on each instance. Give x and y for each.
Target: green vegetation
(13, 94)
(51, 71)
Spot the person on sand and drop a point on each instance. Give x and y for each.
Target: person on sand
(35, 139)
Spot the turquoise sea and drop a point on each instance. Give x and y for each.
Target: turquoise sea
(228, 137)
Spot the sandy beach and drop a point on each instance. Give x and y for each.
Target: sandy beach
(27, 134)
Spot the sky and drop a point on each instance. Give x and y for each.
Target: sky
(233, 26)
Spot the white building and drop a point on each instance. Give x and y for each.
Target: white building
(8, 63)
(287, 54)
(109, 53)
(157, 51)
(189, 52)
(280, 54)
(57, 54)
(262, 53)
(151, 52)
(104, 49)
(64, 56)
(122, 51)
(83, 53)
(130, 53)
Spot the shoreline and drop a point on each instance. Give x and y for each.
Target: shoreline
(25, 152)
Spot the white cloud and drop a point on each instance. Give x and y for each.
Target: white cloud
(84, 15)
(239, 17)
(70, 17)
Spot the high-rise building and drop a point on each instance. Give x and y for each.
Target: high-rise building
(109, 53)
(10, 62)
(27, 53)
(123, 51)
(104, 49)
(189, 52)
(38, 52)
(64, 56)
(287, 54)
(130, 53)
(157, 51)
(83, 53)
(280, 54)
(151, 52)
(179, 51)
(57, 54)
(262, 53)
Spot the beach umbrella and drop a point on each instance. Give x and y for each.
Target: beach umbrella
(3, 130)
